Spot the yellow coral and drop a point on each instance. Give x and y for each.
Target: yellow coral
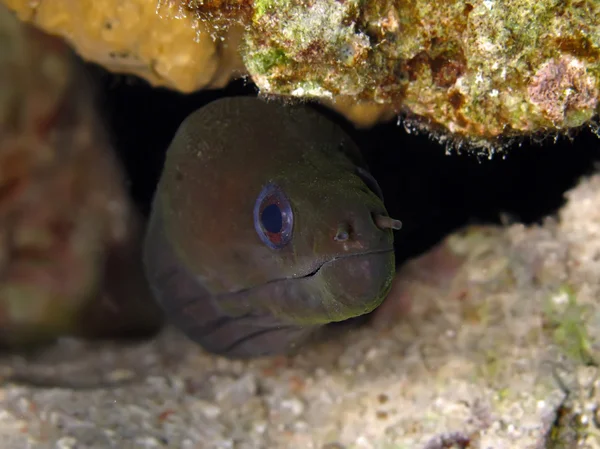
(160, 41)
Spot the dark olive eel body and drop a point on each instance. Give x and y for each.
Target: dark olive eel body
(223, 269)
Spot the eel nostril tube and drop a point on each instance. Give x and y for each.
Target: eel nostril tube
(385, 222)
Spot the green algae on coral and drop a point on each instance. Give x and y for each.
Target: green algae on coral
(267, 60)
(476, 70)
(466, 71)
(305, 33)
(567, 319)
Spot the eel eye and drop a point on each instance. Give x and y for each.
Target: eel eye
(273, 217)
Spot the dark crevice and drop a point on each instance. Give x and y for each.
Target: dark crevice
(566, 431)
(432, 193)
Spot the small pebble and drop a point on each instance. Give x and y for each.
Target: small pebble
(66, 443)
(294, 405)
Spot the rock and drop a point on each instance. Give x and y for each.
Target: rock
(470, 73)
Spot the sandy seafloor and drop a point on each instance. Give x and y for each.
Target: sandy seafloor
(489, 341)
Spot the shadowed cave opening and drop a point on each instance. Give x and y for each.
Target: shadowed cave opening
(433, 193)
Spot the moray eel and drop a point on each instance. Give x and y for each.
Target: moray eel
(265, 226)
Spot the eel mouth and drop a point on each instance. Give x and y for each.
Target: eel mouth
(311, 273)
(335, 259)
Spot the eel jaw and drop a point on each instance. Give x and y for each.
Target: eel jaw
(311, 273)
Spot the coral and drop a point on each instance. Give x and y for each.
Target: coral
(163, 41)
(563, 90)
(66, 223)
(471, 70)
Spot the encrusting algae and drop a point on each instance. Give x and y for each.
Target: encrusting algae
(477, 69)
(472, 71)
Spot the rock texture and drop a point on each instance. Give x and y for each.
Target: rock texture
(470, 72)
(474, 70)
